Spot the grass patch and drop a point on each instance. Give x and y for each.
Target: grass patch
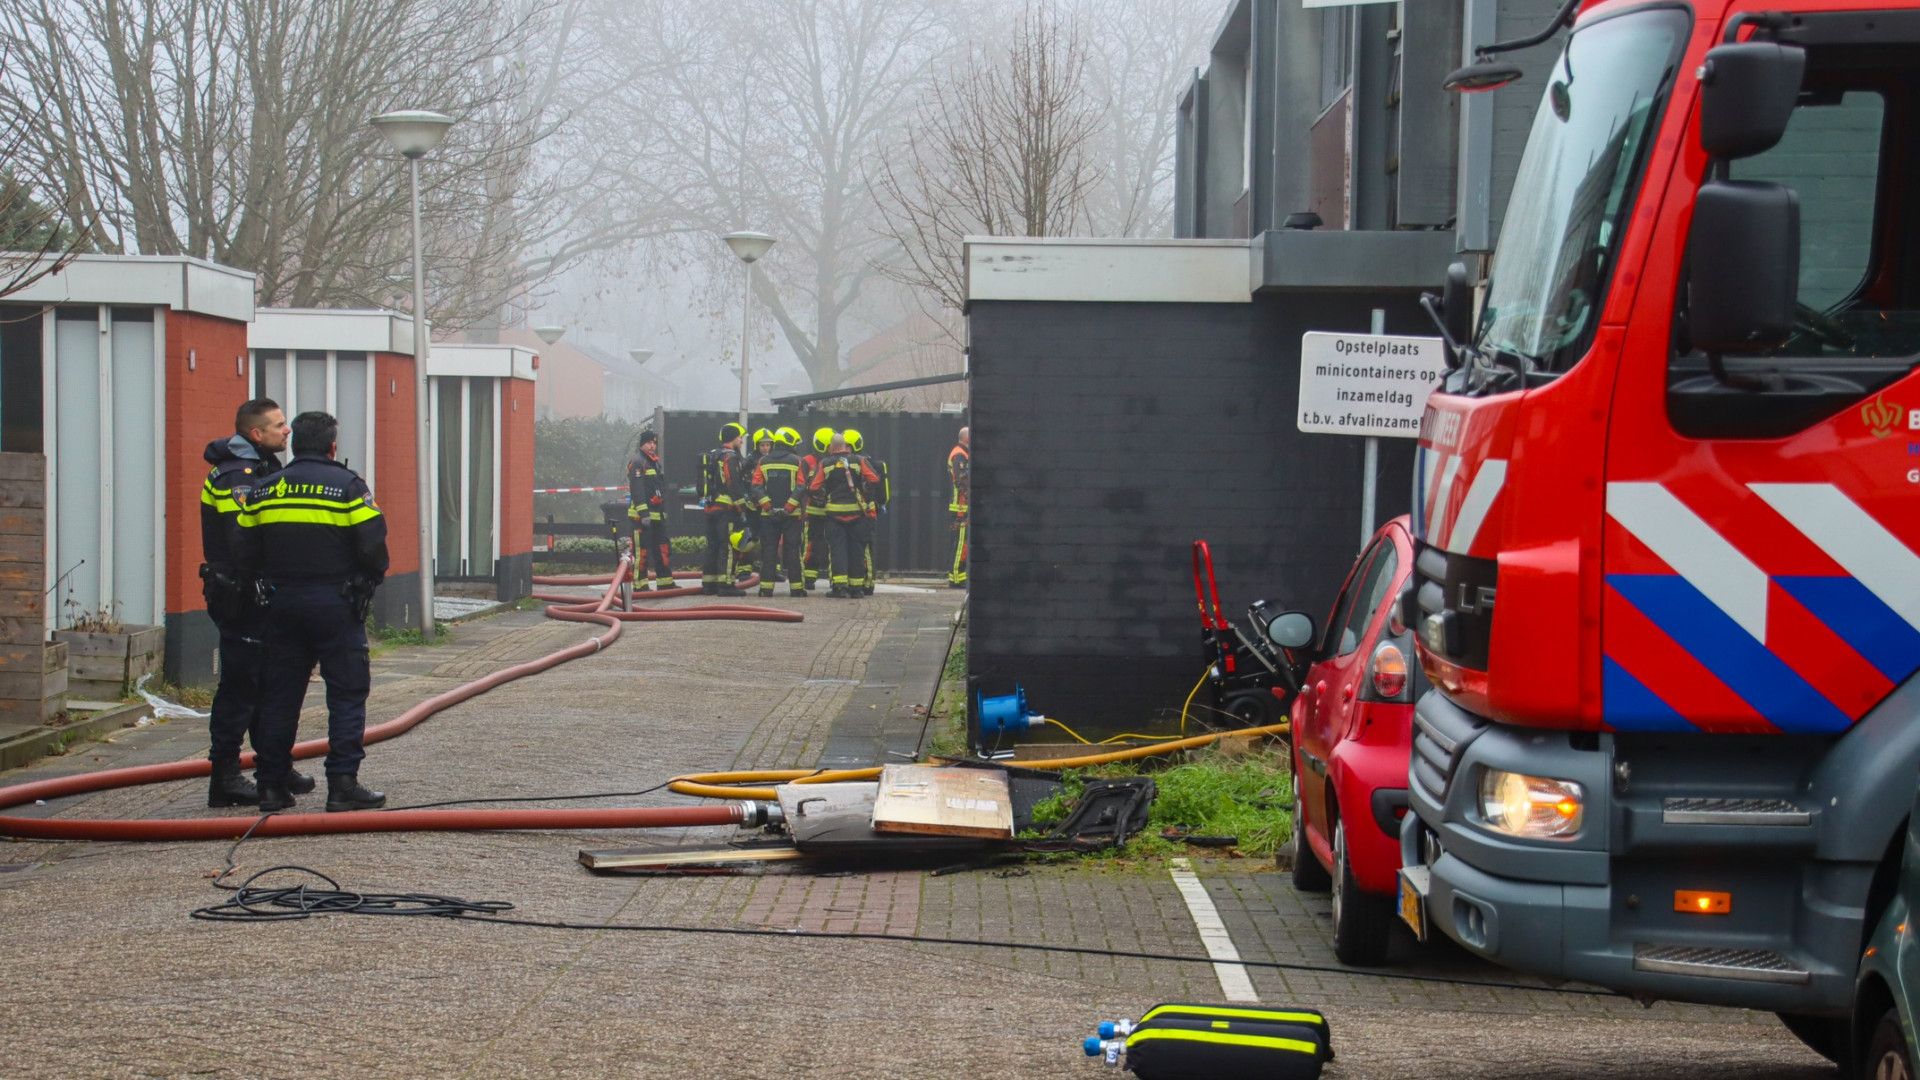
(385, 638)
(193, 697)
(947, 723)
(1209, 793)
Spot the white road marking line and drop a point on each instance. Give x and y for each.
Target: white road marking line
(1235, 984)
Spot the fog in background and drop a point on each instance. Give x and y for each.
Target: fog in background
(602, 147)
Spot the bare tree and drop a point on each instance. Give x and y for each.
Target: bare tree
(1137, 65)
(38, 235)
(762, 115)
(998, 146)
(236, 130)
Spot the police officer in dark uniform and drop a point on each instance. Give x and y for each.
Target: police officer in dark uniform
(317, 539)
(241, 463)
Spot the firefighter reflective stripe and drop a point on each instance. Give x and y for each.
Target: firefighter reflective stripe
(958, 575)
(307, 512)
(960, 472)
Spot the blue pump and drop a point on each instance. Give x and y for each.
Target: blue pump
(1006, 712)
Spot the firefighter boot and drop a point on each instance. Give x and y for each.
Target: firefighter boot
(345, 793)
(229, 787)
(299, 783)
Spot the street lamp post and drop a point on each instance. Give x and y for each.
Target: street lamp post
(749, 246)
(414, 133)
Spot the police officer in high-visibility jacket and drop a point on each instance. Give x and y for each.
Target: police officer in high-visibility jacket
(816, 545)
(780, 494)
(960, 472)
(843, 479)
(723, 487)
(318, 540)
(878, 494)
(242, 463)
(647, 509)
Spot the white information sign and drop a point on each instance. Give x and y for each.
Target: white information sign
(1367, 384)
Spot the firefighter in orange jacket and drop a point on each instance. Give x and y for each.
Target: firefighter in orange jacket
(842, 481)
(780, 494)
(861, 577)
(960, 472)
(816, 542)
(723, 488)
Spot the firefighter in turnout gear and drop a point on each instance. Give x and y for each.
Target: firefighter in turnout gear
(647, 509)
(242, 463)
(319, 542)
(723, 487)
(780, 494)
(878, 495)
(816, 545)
(843, 480)
(748, 563)
(960, 472)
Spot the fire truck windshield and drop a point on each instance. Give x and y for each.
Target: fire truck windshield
(1575, 186)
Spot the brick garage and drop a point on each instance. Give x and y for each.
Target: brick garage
(357, 365)
(1131, 406)
(128, 365)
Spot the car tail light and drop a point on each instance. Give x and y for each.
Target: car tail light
(1388, 671)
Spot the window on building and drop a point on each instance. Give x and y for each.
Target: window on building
(1336, 53)
(21, 397)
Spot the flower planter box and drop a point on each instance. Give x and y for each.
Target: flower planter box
(33, 681)
(102, 667)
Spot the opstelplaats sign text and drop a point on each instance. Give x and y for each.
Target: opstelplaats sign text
(1367, 384)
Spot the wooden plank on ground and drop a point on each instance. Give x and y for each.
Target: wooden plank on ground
(936, 801)
(655, 860)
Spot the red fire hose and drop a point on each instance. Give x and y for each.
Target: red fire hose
(229, 828)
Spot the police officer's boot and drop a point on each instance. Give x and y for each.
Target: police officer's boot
(228, 786)
(345, 793)
(299, 783)
(275, 797)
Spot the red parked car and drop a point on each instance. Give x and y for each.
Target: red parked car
(1352, 736)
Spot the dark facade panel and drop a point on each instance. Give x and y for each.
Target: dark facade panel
(1108, 437)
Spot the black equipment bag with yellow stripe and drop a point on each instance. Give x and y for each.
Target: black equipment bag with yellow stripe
(1209, 1042)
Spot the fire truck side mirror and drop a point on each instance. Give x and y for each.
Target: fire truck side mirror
(1747, 94)
(1456, 304)
(1743, 257)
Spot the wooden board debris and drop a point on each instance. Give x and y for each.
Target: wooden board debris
(934, 801)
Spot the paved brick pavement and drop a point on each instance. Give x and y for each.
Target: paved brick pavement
(107, 976)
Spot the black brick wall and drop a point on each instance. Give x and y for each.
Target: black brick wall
(1107, 437)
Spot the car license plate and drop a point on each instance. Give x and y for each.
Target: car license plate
(1413, 900)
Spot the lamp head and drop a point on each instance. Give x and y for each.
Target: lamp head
(550, 334)
(413, 132)
(749, 246)
(640, 356)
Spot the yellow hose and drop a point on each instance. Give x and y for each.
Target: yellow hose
(1185, 705)
(722, 785)
(1084, 741)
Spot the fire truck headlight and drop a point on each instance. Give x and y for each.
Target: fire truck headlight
(1533, 807)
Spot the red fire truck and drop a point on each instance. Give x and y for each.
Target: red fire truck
(1667, 582)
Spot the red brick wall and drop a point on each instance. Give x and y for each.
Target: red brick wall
(396, 484)
(199, 408)
(516, 466)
